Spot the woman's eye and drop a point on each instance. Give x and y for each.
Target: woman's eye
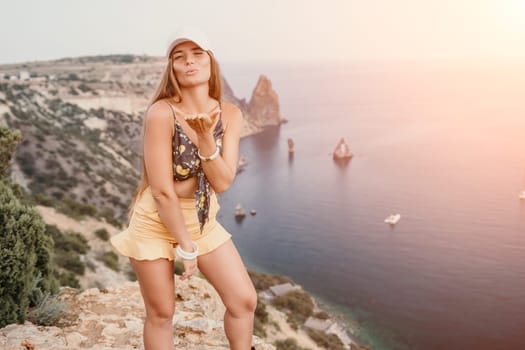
(177, 57)
(198, 52)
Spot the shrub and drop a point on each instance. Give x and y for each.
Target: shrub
(72, 76)
(261, 318)
(68, 241)
(322, 315)
(8, 141)
(298, 303)
(102, 233)
(75, 209)
(84, 87)
(288, 344)
(178, 267)
(67, 278)
(68, 247)
(48, 309)
(327, 341)
(109, 215)
(263, 281)
(131, 275)
(73, 91)
(26, 161)
(110, 259)
(71, 261)
(25, 252)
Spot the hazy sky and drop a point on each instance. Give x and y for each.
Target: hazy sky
(270, 30)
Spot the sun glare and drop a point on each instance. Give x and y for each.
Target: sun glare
(514, 15)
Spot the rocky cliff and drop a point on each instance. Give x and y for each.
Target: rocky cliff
(112, 318)
(263, 107)
(108, 311)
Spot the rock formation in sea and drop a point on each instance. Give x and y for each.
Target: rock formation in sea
(342, 150)
(263, 108)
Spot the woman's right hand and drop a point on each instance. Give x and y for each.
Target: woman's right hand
(190, 267)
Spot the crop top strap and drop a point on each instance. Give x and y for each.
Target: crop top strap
(172, 110)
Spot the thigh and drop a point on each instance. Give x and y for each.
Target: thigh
(156, 285)
(224, 269)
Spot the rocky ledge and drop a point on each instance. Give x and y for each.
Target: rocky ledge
(112, 318)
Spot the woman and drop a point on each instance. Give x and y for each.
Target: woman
(191, 142)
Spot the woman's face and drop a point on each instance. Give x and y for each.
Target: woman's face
(191, 64)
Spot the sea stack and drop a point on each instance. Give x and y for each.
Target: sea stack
(342, 151)
(290, 146)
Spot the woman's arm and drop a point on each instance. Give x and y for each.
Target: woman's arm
(221, 171)
(159, 168)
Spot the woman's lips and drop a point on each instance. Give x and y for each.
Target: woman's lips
(191, 71)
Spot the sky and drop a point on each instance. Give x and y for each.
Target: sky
(268, 31)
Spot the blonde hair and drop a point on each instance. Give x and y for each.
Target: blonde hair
(169, 88)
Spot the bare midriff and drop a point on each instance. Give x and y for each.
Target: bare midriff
(185, 188)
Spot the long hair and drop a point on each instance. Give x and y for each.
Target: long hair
(169, 88)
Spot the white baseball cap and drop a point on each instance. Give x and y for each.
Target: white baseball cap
(189, 34)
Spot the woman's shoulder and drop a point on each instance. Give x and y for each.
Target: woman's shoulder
(159, 110)
(231, 113)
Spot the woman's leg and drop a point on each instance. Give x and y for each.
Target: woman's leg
(224, 269)
(157, 287)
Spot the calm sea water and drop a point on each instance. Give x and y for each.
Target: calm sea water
(442, 144)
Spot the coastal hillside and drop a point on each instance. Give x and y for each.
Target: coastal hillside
(76, 161)
(81, 124)
(106, 308)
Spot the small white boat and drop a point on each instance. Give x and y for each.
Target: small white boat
(392, 219)
(239, 211)
(241, 164)
(522, 195)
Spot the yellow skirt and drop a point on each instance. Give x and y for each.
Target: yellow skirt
(147, 238)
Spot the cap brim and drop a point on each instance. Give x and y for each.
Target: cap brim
(183, 40)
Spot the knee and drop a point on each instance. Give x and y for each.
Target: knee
(245, 303)
(160, 315)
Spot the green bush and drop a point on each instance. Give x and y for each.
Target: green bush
(84, 87)
(68, 241)
(263, 281)
(102, 233)
(327, 341)
(70, 260)
(288, 344)
(131, 275)
(47, 310)
(72, 76)
(67, 278)
(68, 247)
(261, 318)
(322, 315)
(75, 209)
(8, 141)
(109, 215)
(25, 252)
(26, 161)
(178, 267)
(110, 259)
(298, 304)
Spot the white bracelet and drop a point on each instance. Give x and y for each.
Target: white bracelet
(212, 157)
(187, 255)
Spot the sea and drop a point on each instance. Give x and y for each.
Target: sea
(442, 143)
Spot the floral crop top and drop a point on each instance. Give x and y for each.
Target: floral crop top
(186, 164)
